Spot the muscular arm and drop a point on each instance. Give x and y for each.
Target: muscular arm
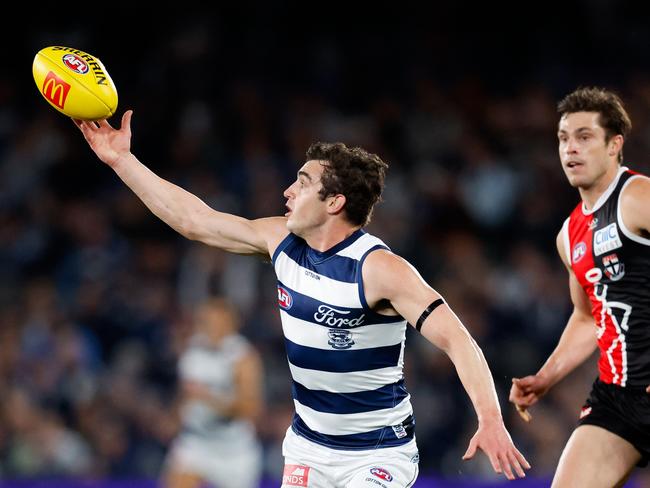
(389, 277)
(577, 343)
(181, 210)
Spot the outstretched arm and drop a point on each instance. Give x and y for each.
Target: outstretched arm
(577, 343)
(389, 277)
(181, 210)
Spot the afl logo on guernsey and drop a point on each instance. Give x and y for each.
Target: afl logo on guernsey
(579, 251)
(285, 300)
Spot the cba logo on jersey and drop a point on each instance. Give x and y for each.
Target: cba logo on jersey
(606, 239)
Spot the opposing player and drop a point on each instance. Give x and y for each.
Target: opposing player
(220, 377)
(605, 246)
(345, 300)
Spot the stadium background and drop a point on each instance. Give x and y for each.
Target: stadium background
(95, 293)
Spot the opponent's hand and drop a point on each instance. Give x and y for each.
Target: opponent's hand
(493, 439)
(527, 391)
(108, 143)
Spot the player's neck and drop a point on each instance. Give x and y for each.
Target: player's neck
(592, 193)
(328, 235)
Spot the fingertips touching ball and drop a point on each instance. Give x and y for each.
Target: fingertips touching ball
(75, 83)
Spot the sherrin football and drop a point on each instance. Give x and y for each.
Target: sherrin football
(75, 83)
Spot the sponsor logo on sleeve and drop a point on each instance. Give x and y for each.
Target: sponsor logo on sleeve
(606, 239)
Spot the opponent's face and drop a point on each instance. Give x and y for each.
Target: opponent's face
(305, 208)
(586, 156)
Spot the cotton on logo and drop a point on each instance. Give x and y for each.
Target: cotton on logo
(295, 475)
(285, 299)
(381, 473)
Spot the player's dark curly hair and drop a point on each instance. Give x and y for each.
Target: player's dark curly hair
(352, 172)
(613, 117)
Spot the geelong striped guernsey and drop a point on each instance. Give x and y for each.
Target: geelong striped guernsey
(346, 360)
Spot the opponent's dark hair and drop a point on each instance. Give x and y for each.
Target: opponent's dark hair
(612, 116)
(352, 172)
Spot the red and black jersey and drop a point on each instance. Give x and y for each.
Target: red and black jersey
(613, 266)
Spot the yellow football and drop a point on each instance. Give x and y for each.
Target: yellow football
(75, 83)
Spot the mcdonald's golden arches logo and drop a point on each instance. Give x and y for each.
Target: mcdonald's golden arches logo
(55, 89)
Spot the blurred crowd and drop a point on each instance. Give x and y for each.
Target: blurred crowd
(96, 294)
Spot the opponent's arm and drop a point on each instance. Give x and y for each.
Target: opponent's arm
(577, 343)
(181, 210)
(389, 277)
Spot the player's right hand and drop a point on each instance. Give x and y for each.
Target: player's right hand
(527, 391)
(108, 143)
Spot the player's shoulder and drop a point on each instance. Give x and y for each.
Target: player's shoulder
(385, 266)
(637, 188)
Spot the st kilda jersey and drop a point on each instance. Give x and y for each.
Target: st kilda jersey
(613, 266)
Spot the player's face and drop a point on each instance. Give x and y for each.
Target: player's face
(586, 156)
(305, 208)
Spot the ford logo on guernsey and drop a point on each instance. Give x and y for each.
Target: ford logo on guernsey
(381, 473)
(285, 300)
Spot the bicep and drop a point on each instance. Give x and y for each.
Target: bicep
(410, 295)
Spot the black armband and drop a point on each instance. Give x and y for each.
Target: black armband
(427, 311)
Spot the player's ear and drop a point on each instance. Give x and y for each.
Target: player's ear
(335, 203)
(615, 145)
